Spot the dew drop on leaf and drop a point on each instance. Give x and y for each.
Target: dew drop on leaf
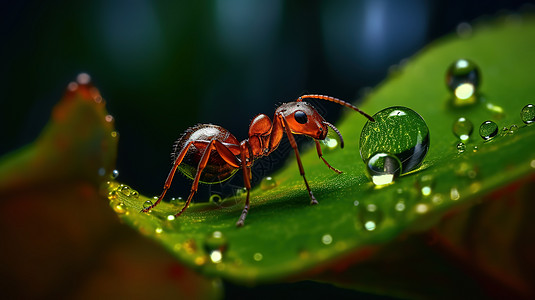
(268, 183)
(215, 198)
(461, 147)
(463, 128)
(114, 174)
(488, 130)
(215, 244)
(383, 168)
(327, 239)
(370, 217)
(398, 131)
(147, 204)
(528, 114)
(463, 78)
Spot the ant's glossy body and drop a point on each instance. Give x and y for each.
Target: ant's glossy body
(210, 154)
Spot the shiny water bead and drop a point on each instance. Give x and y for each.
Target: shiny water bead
(383, 168)
(488, 130)
(461, 147)
(268, 183)
(462, 78)
(528, 114)
(147, 204)
(398, 131)
(215, 245)
(463, 128)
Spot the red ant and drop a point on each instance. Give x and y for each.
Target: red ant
(210, 154)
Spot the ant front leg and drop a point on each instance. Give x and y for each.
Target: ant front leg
(320, 154)
(299, 164)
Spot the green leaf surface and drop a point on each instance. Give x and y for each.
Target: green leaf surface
(356, 225)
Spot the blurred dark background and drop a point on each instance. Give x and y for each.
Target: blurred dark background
(164, 66)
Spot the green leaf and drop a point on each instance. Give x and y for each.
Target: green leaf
(454, 208)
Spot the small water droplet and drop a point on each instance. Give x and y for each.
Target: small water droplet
(327, 239)
(400, 206)
(241, 191)
(462, 78)
(268, 183)
(398, 131)
(383, 168)
(488, 130)
(119, 207)
(158, 230)
(422, 208)
(331, 143)
(83, 78)
(356, 202)
(114, 134)
(464, 30)
(215, 198)
(114, 174)
(112, 195)
(370, 216)
(463, 128)
(475, 148)
(512, 129)
(147, 204)
(258, 256)
(454, 194)
(171, 217)
(527, 114)
(134, 194)
(109, 118)
(125, 190)
(461, 147)
(426, 184)
(216, 245)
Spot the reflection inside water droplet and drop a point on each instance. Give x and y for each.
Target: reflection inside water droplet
(461, 147)
(383, 168)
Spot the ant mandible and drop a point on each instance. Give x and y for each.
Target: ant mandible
(211, 154)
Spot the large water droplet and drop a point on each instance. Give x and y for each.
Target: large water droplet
(463, 128)
(383, 168)
(215, 245)
(399, 131)
(268, 183)
(463, 78)
(528, 114)
(488, 130)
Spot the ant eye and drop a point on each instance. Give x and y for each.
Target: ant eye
(300, 117)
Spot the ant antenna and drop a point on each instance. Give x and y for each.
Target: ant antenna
(335, 100)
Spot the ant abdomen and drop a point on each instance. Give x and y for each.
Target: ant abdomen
(217, 169)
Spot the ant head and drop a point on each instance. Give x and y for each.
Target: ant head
(304, 119)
